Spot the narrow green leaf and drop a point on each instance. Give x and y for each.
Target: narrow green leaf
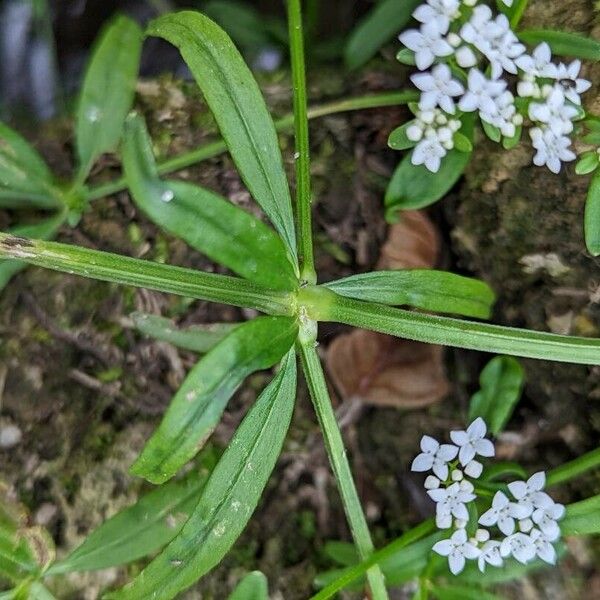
(25, 180)
(209, 223)
(413, 186)
(462, 143)
(38, 591)
(510, 143)
(239, 109)
(229, 499)
(254, 586)
(406, 57)
(343, 553)
(153, 521)
(563, 43)
(574, 468)
(143, 273)
(592, 216)
(588, 162)
(436, 291)
(582, 518)
(501, 383)
(197, 338)
(199, 403)
(500, 470)
(108, 90)
(385, 21)
(491, 131)
(42, 230)
(451, 332)
(398, 139)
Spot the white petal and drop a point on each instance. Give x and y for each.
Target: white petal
(443, 547)
(489, 518)
(440, 469)
(484, 448)
(456, 562)
(459, 536)
(500, 500)
(433, 163)
(429, 444)
(438, 495)
(459, 511)
(447, 452)
(557, 511)
(468, 103)
(541, 500)
(542, 53)
(466, 454)
(460, 438)
(506, 525)
(424, 81)
(547, 553)
(424, 13)
(477, 429)
(447, 104)
(520, 510)
(550, 529)
(412, 39)
(428, 100)
(474, 469)
(525, 553)
(424, 58)
(422, 462)
(518, 489)
(443, 521)
(470, 551)
(554, 164)
(442, 48)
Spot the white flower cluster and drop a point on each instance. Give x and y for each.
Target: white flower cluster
(468, 34)
(528, 521)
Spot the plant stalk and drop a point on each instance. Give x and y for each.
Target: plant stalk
(302, 155)
(339, 463)
(574, 468)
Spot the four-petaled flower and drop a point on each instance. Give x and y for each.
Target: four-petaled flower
(451, 502)
(539, 64)
(439, 88)
(472, 442)
(490, 554)
(552, 149)
(440, 11)
(518, 545)
(435, 457)
(529, 493)
(572, 85)
(543, 548)
(546, 519)
(427, 44)
(503, 513)
(458, 548)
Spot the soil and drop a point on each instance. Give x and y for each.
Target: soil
(86, 390)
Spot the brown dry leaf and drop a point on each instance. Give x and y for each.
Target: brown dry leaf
(412, 243)
(384, 370)
(387, 371)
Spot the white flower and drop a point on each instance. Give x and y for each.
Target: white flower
(443, 12)
(474, 30)
(427, 43)
(551, 149)
(539, 64)
(572, 85)
(503, 513)
(429, 152)
(529, 494)
(543, 548)
(465, 57)
(554, 112)
(546, 519)
(481, 92)
(474, 469)
(451, 502)
(472, 442)
(503, 116)
(520, 546)
(434, 457)
(438, 88)
(490, 554)
(457, 549)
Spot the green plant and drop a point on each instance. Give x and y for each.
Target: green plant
(276, 276)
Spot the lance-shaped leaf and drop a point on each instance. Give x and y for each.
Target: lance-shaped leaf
(379, 27)
(564, 43)
(254, 586)
(105, 266)
(592, 216)
(108, 89)
(582, 518)
(42, 230)
(229, 499)
(197, 338)
(25, 180)
(437, 291)
(209, 223)
(200, 401)
(450, 332)
(413, 186)
(501, 384)
(139, 530)
(239, 109)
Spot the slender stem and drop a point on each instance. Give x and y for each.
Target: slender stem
(302, 156)
(339, 463)
(143, 273)
(351, 574)
(218, 147)
(323, 305)
(573, 469)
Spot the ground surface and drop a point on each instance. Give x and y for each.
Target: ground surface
(86, 390)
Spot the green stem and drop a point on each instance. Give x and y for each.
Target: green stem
(302, 156)
(323, 305)
(339, 463)
(351, 574)
(218, 147)
(142, 273)
(573, 469)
